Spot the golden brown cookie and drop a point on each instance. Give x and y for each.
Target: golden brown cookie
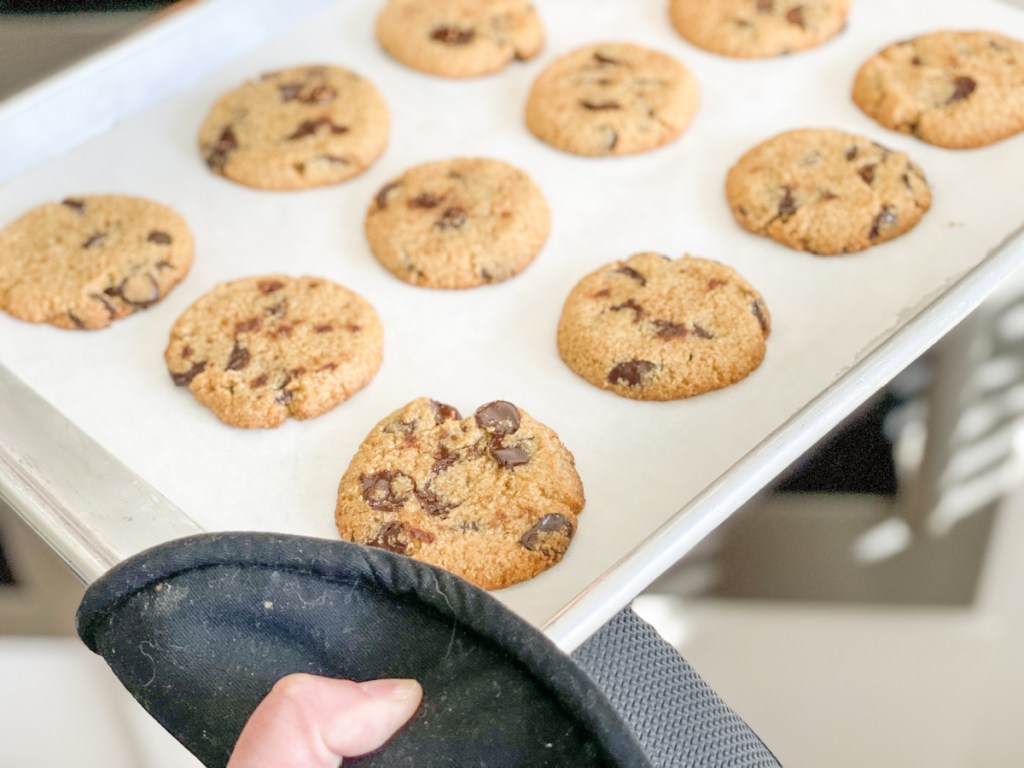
(758, 28)
(298, 128)
(654, 328)
(492, 498)
(258, 350)
(459, 38)
(826, 191)
(611, 99)
(458, 223)
(952, 89)
(89, 260)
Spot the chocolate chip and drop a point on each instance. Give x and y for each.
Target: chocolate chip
(433, 504)
(602, 294)
(389, 537)
(289, 91)
(310, 127)
(630, 372)
(259, 381)
(95, 240)
(765, 6)
(702, 333)
(77, 321)
(510, 456)
(665, 329)
(630, 272)
(885, 218)
(867, 172)
(140, 290)
(962, 88)
(74, 203)
(379, 490)
(382, 195)
(916, 61)
(323, 328)
(829, 195)
(443, 412)
(758, 309)
(851, 153)
(452, 218)
(452, 35)
(599, 106)
(322, 94)
(269, 286)
(796, 16)
(424, 200)
(184, 379)
(716, 283)
(156, 236)
(444, 459)
(536, 539)
(499, 417)
(353, 327)
(787, 206)
(286, 396)
(226, 143)
(631, 306)
(247, 326)
(239, 358)
(601, 58)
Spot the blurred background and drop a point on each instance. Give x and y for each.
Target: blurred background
(867, 609)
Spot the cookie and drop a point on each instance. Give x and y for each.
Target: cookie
(952, 89)
(655, 328)
(298, 128)
(89, 260)
(611, 99)
(258, 350)
(826, 191)
(458, 223)
(746, 29)
(459, 38)
(492, 498)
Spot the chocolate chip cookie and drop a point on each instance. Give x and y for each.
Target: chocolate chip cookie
(298, 128)
(826, 191)
(492, 497)
(258, 350)
(458, 223)
(459, 38)
(655, 328)
(89, 260)
(952, 89)
(758, 28)
(611, 99)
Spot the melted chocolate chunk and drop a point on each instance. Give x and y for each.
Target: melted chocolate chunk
(787, 206)
(389, 537)
(885, 218)
(452, 35)
(758, 309)
(665, 329)
(259, 381)
(962, 88)
(239, 358)
(156, 236)
(382, 196)
(184, 379)
(867, 172)
(444, 459)
(323, 328)
(599, 106)
(269, 286)
(452, 218)
(796, 16)
(443, 412)
(433, 504)
(510, 456)
(226, 144)
(630, 372)
(536, 539)
(424, 200)
(379, 490)
(851, 153)
(630, 272)
(499, 417)
(247, 326)
(310, 127)
(74, 204)
(290, 91)
(630, 306)
(94, 240)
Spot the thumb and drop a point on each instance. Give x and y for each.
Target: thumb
(313, 722)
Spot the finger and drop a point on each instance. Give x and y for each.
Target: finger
(313, 722)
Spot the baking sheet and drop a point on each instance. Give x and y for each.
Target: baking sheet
(640, 462)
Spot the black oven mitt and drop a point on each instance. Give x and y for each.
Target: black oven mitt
(199, 630)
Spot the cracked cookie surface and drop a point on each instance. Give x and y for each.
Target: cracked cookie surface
(258, 350)
(89, 260)
(492, 497)
(460, 38)
(611, 99)
(826, 191)
(654, 328)
(458, 223)
(294, 129)
(953, 89)
(758, 28)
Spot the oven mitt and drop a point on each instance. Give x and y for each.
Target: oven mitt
(199, 630)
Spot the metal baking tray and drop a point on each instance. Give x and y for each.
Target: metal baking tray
(104, 456)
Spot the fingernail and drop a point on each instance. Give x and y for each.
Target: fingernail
(392, 690)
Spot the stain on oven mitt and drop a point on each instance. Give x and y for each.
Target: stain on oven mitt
(199, 629)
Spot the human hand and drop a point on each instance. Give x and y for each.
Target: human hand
(313, 722)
